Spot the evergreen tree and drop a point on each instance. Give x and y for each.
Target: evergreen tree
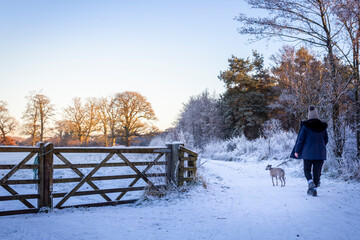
(250, 90)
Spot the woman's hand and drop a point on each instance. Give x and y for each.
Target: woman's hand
(296, 155)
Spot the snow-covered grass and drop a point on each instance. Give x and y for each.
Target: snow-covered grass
(241, 149)
(239, 203)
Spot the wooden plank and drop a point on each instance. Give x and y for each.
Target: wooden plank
(22, 181)
(80, 174)
(187, 179)
(138, 178)
(190, 169)
(86, 165)
(18, 149)
(92, 165)
(19, 197)
(16, 212)
(13, 192)
(17, 167)
(188, 151)
(101, 178)
(112, 203)
(94, 192)
(85, 179)
(26, 166)
(108, 150)
(188, 158)
(137, 171)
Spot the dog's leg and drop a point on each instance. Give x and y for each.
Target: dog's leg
(276, 181)
(284, 180)
(272, 179)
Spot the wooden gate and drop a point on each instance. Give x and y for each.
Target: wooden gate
(177, 165)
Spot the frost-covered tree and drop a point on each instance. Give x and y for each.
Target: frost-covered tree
(269, 129)
(200, 120)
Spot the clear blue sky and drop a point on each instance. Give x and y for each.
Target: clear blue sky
(166, 50)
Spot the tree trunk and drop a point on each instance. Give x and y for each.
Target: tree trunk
(339, 141)
(42, 130)
(357, 100)
(127, 137)
(3, 136)
(357, 123)
(33, 138)
(106, 139)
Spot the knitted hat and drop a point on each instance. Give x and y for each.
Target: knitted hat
(312, 114)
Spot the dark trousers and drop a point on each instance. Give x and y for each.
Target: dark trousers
(316, 166)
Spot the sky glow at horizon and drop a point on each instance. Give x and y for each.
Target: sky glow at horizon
(165, 50)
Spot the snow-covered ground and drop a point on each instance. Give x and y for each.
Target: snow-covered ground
(239, 203)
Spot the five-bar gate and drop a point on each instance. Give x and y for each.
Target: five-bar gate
(175, 166)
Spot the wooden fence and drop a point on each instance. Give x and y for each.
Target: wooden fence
(179, 167)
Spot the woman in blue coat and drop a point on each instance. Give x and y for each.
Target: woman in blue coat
(311, 146)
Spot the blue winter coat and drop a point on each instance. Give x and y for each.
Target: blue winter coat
(311, 141)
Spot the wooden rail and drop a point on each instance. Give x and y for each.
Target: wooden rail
(180, 167)
(187, 165)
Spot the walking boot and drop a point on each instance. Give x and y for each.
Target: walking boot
(311, 186)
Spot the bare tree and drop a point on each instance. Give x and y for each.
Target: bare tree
(114, 120)
(308, 21)
(83, 118)
(36, 116)
(91, 118)
(103, 106)
(109, 119)
(136, 115)
(76, 115)
(7, 123)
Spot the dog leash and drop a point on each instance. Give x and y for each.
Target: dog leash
(285, 162)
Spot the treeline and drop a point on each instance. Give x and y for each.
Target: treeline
(321, 69)
(258, 99)
(106, 121)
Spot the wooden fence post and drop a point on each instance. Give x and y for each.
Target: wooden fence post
(172, 163)
(40, 174)
(46, 176)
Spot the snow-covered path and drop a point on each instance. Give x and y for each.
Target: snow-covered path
(239, 203)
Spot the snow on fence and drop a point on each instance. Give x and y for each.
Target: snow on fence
(109, 173)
